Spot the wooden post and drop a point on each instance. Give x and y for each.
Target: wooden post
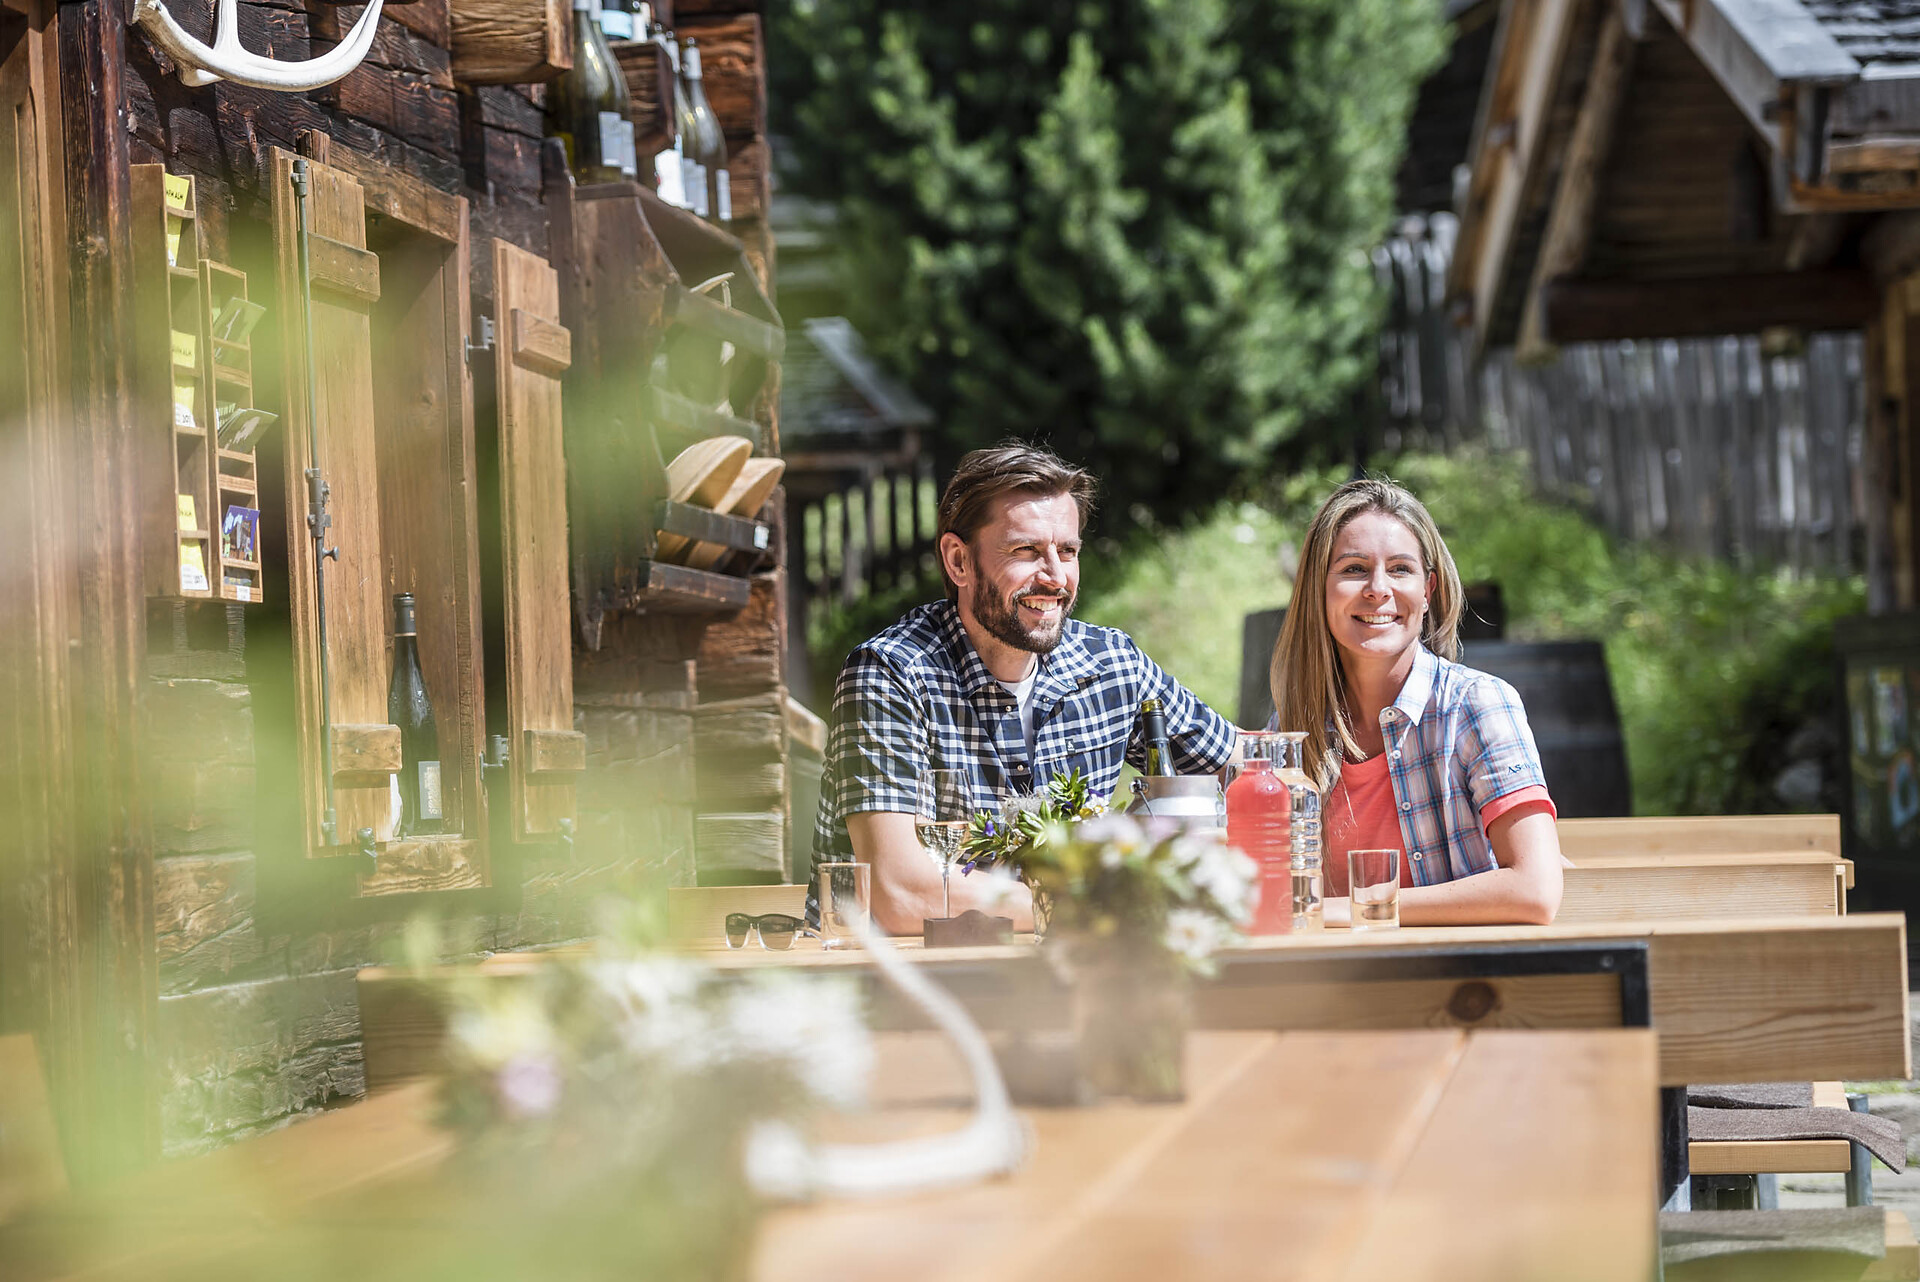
(110, 1116)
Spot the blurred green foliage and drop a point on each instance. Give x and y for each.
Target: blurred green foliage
(1134, 229)
(1714, 667)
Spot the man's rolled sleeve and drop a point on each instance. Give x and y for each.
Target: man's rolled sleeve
(1497, 743)
(880, 744)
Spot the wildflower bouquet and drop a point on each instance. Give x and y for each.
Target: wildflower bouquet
(604, 1106)
(1006, 839)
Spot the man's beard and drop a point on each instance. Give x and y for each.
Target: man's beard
(1001, 619)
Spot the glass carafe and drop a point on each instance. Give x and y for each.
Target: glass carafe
(1273, 815)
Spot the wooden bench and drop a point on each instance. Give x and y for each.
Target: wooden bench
(1698, 835)
(1672, 886)
(1777, 1157)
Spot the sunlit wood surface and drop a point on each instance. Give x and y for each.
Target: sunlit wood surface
(1295, 1155)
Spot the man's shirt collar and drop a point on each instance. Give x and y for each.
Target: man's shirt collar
(1062, 671)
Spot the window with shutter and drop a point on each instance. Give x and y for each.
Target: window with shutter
(393, 413)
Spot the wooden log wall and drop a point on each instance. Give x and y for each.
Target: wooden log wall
(254, 948)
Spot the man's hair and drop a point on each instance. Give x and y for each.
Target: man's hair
(1007, 468)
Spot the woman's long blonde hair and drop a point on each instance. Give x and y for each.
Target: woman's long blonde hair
(1309, 686)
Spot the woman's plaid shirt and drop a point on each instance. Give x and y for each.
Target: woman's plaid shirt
(918, 696)
(1457, 740)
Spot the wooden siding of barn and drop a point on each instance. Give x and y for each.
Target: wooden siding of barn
(1714, 447)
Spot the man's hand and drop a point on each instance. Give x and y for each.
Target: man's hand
(906, 879)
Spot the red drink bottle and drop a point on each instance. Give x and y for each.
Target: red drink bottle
(1258, 811)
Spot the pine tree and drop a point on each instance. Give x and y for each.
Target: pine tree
(1133, 229)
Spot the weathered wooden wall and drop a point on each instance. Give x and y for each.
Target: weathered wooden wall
(257, 947)
(1714, 447)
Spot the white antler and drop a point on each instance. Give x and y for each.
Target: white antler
(202, 64)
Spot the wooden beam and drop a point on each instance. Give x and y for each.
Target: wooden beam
(1563, 251)
(1507, 141)
(1585, 311)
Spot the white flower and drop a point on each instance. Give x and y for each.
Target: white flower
(510, 1028)
(1193, 934)
(529, 1085)
(812, 1027)
(656, 1008)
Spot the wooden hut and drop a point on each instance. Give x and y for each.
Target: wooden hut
(494, 369)
(1663, 169)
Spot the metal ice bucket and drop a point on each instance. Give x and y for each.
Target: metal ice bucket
(1195, 802)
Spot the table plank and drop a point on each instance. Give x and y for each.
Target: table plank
(1263, 1176)
(1550, 1136)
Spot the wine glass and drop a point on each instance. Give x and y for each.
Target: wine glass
(945, 810)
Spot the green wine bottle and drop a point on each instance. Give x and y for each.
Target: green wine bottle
(587, 105)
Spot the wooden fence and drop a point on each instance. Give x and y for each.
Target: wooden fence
(1737, 448)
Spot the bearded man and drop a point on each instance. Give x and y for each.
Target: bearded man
(996, 681)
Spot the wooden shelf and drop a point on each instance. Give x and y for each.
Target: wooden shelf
(695, 419)
(186, 215)
(192, 534)
(704, 525)
(225, 374)
(710, 316)
(676, 589)
(181, 429)
(182, 273)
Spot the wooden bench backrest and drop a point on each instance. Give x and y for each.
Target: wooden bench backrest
(30, 1165)
(1698, 834)
(1792, 883)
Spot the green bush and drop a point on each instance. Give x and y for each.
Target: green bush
(1713, 667)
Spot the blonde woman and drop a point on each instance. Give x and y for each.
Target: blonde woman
(1410, 749)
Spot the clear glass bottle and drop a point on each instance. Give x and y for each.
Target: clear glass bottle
(706, 144)
(1273, 816)
(1303, 832)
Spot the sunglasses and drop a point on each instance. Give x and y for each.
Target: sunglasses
(777, 930)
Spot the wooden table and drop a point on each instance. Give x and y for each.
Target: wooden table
(1768, 999)
(1430, 1154)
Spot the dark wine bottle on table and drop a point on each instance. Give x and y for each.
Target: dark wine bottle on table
(587, 105)
(707, 144)
(1153, 733)
(422, 804)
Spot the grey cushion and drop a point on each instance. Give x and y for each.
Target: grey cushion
(1760, 1095)
(1881, 1135)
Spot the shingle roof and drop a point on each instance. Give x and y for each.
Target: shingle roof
(1871, 31)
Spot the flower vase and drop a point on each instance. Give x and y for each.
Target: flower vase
(1130, 1019)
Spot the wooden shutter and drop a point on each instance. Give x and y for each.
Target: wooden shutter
(534, 351)
(345, 285)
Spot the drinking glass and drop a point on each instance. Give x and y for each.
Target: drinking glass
(1373, 879)
(845, 892)
(945, 810)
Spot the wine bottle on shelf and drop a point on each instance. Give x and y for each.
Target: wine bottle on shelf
(708, 145)
(1153, 733)
(422, 806)
(587, 105)
(686, 128)
(669, 166)
(616, 19)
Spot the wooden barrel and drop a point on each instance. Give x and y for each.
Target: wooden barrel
(1569, 701)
